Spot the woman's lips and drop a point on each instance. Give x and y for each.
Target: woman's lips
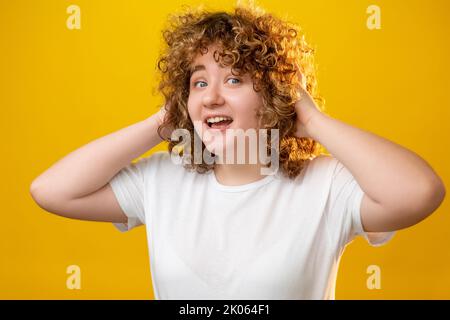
(220, 126)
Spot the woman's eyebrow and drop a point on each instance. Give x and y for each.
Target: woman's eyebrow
(196, 68)
(199, 67)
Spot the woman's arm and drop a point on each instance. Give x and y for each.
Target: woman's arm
(401, 189)
(83, 172)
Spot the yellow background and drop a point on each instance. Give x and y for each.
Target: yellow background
(62, 88)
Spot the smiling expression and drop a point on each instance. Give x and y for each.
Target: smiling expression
(215, 91)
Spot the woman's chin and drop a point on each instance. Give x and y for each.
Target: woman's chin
(217, 141)
(219, 149)
(216, 148)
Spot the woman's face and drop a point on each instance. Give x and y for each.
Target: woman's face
(215, 91)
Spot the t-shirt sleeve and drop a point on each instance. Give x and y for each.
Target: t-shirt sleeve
(128, 186)
(343, 209)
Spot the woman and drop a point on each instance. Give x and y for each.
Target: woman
(227, 230)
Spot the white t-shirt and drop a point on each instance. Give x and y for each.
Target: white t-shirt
(275, 238)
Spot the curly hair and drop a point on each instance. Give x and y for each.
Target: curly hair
(272, 51)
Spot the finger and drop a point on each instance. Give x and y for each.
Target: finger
(301, 77)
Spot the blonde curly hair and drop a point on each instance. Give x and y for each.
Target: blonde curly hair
(271, 50)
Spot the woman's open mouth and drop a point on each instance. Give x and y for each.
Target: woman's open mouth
(219, 123)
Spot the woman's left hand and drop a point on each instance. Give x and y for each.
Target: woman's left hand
(306, 109)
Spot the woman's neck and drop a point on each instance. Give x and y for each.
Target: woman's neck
(237, 174)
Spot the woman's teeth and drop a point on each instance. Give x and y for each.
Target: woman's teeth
(218, 119)
(219, 122)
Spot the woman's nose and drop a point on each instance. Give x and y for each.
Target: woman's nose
(213, 96)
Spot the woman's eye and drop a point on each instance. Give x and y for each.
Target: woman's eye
(195, 83)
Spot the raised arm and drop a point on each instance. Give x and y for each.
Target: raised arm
(77, 186)
(400, 188)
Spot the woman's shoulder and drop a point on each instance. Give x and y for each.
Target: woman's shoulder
(320, 167)
(320, 162)
(156, 161)
(164, 162)
(328, 162)
(160, 155)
